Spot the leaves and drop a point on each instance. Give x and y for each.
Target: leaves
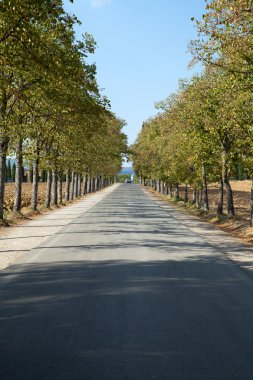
(49, 96)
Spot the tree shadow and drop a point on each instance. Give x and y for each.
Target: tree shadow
(118, 319)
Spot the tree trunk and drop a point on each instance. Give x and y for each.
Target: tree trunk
(67, 185)
(79, 185)
(161, 187)
(177, 192)
(251, 204)
(186, 198)
(72, 185)
(220, 198)
(49, 188)
(84, 189)
(35, 184)
(230, 201)
(229, 192)
(55, 188)
(198, 201)
(204, 190)
(194, 196)
(201, 197)
(3, 150)
(60, 186)
(76, 185)
(88, 184)
(30, 175)
(91, 184)
(97, 183)
(43, 176)
(18, 177)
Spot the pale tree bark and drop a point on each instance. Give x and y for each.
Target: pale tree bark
(60, 186)
(88, 184)
(204, 190)
(229, 192)
(35, 184)
(177, 192)
(55, 188)
(76, 185)
(84, 188)
(49, 188)
(67, 185)
(186, 198)
(97, 183)
(201, 197)
(72, 185)
(251, 203)
(3, 151)
(79, 185)
(198, 200)
(194, 195)
(18, 177)
(220, 197)
(161, 187)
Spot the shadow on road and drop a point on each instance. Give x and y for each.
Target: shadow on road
(126, 292)
(126, 320)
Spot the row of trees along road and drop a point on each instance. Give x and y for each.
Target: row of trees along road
(204, 132)
(51, 112)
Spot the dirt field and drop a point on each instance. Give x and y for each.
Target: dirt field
(241, 193)
(26, 195)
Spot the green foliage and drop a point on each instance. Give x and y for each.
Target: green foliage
(123, 177)
(207, 126)
(49, 97)
(204, 132)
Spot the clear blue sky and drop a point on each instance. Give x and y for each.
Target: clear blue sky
(141, 53)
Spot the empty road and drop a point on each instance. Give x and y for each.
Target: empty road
(126, 292)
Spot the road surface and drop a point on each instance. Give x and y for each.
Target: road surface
(126, 292)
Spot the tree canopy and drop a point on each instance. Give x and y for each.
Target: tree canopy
(51, 112)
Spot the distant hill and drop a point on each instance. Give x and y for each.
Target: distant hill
(126, 170)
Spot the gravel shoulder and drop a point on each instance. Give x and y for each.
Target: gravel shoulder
(18, 240)
(234, 248)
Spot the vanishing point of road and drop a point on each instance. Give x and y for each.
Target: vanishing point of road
(126, 292)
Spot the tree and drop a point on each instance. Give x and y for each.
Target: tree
(8, 173)
(13, 172)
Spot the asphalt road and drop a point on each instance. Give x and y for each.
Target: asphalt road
(125, 292)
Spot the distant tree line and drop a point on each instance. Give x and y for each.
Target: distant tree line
(51, 112)
(204, 132)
